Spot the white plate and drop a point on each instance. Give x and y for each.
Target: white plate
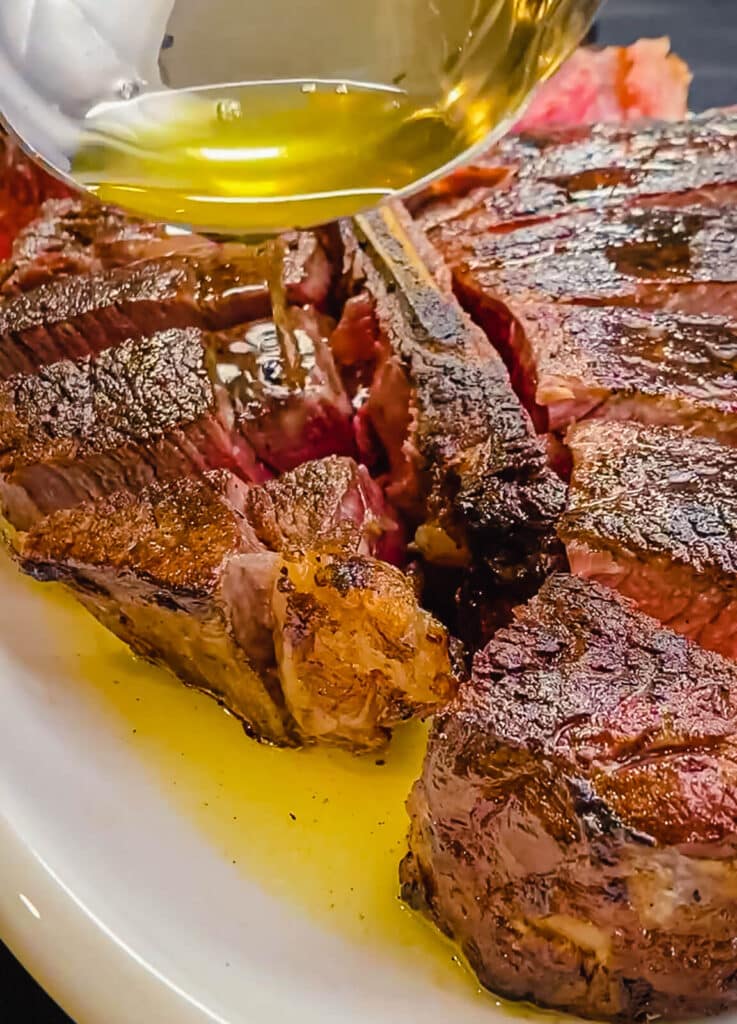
(132, 893)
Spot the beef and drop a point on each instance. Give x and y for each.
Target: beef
(652, 512)
(174, 403)
(85, 314)
(273, 598)
(546, 173)
(572, 362)
(574, 827)
(74, 236)
(462, 461)
(612, 84)
(671, 257)
(23, 188)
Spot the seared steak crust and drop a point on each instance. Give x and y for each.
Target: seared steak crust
(158, 407)
(79, 236)
(574, 827)
(544, 174)
(573, 362)
(664, 256)
(652, 511)
(464, 464)
(272, 599)
(86, 313)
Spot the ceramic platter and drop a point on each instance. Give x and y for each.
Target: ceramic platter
(158, 866)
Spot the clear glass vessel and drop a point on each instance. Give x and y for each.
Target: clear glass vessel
(246, 117)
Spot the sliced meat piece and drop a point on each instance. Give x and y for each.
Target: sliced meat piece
(84, 314)
(23, 188)
(612, 84)
(464, 465)
(545, 173)
(171, 404)
(73, 236)
(270, 598)
(77, 235)
(575, 824)
(680, 259)
(572, 362)
(652, 512)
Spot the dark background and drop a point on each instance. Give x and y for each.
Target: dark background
(705, 33)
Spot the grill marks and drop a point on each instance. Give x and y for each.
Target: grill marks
(653, 513)
(623, 219)
(574, 824)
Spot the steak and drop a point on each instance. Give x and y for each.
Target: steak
(546, 173)
(74, 236)
(573, 362)
(273, 598)
(575, 826)
(672, 257)
(175, 403)
(85, 314)
(463, 463)
(652, 512)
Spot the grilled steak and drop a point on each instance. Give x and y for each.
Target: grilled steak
(575, 826)
(271, 598)
(573, 362)
(652, 512)
(84, 314)
(174, 403)
(544, 174)
(74, 236)
(463, 463)
(678, 258)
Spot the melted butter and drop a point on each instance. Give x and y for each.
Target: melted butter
(319, 829)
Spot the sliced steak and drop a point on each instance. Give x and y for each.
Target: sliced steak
(174, 403)
(573, 362)
(462, 460)
(652, 512)
(679, 259)
(575, 824)
(546, 173)
(84, 314)
(73, 236)
(271, 598)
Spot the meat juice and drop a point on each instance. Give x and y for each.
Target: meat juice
(258, 156)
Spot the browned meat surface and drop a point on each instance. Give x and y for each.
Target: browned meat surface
(84, 314)
(574, 362)
(652, 512)
(541, 175)
(271, 598)
(461, 458)
(175, 403)
(75, 236)
(679, 258)
(575, 826)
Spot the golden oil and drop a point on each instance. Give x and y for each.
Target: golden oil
(255, 157)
